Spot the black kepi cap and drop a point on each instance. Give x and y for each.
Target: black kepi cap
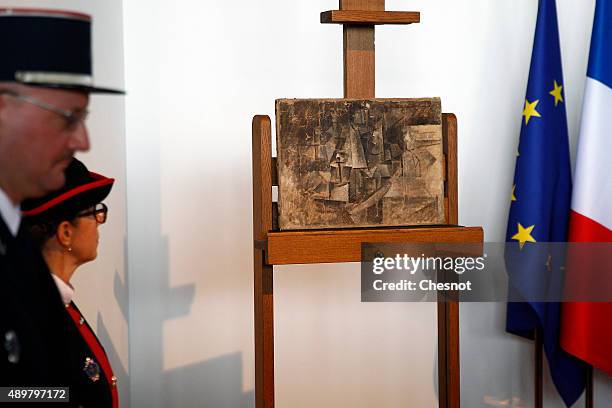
(47, 48)
(83, 189)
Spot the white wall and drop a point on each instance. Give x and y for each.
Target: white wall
(196, 73)
(101, 291)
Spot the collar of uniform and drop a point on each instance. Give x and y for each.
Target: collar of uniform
(65, 289)
(10, 213)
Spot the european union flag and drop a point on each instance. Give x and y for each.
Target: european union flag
(541, 194)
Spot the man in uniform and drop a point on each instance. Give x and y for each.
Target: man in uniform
(45, 82)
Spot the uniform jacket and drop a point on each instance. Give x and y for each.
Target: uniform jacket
(40, 344)
(94, 385)
(34, 329)
(33, 323)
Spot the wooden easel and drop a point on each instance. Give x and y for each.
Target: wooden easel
(274, 247)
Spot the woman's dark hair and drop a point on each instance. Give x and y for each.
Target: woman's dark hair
(42, 230)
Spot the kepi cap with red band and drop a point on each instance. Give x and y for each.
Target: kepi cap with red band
(47, 48)
(83, 189)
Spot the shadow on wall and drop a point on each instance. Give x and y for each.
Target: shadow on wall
(120, 291)
(215, 383)
(119, 369)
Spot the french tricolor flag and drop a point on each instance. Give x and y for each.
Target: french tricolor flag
(586, 328)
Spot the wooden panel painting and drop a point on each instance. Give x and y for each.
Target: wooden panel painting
(359, 163)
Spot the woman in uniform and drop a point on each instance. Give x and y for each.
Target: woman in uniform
(65, 226)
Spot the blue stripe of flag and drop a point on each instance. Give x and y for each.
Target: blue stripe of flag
(600, 60)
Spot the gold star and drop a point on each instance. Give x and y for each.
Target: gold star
(513, 197)
(530, 110)
(524, 235)
(557, 93)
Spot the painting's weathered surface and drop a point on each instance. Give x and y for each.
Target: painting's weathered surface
(356, 163)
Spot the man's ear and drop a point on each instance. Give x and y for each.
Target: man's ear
(64, 233)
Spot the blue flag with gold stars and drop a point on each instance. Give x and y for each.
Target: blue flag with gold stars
(541, 195)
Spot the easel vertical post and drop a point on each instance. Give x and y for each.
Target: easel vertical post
(263, 273)
(448, 310)
(359, 59)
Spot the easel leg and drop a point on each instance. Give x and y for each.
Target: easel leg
(454, 384)
(588, 398)
(538, 370)
(448, 354)
(442, 356)
(264, 332)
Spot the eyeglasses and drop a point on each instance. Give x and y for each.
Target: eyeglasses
(72, 117)
(99, 211)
